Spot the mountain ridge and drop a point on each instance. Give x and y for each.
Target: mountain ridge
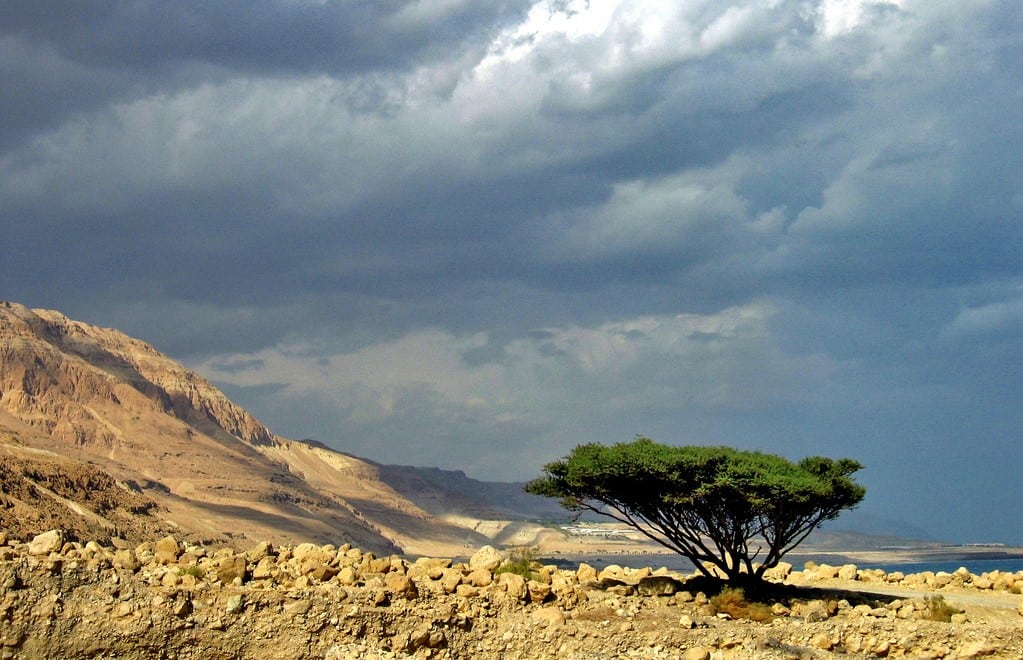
(97, 397)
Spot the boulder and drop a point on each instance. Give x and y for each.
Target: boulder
(125, 559)
(658, 585)
(47, 542)
(231, 568)
(586, 573)
(479, 578)
(166, 551)
(847, 572)
(779, 572)
(400, 584)
(262, 550)
(487, 558)
(514, 584)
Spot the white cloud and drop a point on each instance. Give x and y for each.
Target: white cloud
(560, 382)
(687, 214)
(838, 17)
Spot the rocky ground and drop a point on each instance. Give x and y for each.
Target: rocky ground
(166, 599)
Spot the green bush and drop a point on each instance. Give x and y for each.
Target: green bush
(195, 571)
(522, 561)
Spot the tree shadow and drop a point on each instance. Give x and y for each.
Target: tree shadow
(787, 594)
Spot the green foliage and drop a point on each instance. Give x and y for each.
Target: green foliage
(522, 562)
(939, 610)
(195, 571)
(733, 603)
(710, 504)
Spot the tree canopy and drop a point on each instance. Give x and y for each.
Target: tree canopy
(740, 511)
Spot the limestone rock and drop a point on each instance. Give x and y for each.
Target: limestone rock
(550, 615)
(486, 558)
(976, 649)
(779, 572)
(847, 572)
(47, 542)
(513, 584)
(231, 568)
(586, 573)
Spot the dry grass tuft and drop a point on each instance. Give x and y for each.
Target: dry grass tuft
(939, 610)
(733, 603)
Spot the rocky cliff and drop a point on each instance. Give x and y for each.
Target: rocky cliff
(111, 409)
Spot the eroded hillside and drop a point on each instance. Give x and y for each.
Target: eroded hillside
(111, 405)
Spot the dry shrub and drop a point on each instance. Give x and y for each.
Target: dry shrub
(597, 613)
(939, 610)
(733, 603)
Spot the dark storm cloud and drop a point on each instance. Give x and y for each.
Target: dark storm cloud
(262, 37)
(61, 59)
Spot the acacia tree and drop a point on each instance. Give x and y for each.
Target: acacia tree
(738, 511)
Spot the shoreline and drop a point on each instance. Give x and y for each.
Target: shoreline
(861, 558)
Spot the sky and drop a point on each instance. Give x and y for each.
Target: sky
(475, 234)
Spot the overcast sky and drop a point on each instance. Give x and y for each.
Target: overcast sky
(474, 234)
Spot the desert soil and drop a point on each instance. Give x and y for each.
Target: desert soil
(168, 599)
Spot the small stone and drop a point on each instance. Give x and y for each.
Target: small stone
(550, 615)
(822, 641)
(182, 608)
(697, 653)
(975, 650)
(235, 604)
(298, 608)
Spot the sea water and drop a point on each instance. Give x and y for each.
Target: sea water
(678, 563)
(975, 566)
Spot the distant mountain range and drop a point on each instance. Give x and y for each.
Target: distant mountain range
(103, 436)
